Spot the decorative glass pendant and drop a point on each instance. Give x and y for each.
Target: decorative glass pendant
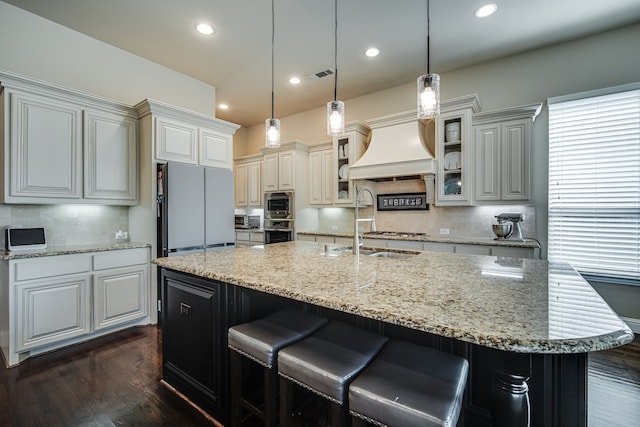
(335, 118)
(272, 133)
(428, 96)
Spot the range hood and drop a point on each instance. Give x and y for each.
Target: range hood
(400, 147)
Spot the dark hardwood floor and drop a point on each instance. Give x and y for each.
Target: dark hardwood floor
(115, 381)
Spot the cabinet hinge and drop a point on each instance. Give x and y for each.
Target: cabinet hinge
(159, 305)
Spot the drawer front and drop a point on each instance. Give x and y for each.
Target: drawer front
(243, 235)
(120, 258)
(51, 266)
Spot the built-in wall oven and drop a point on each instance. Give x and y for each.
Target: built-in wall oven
(278, 217)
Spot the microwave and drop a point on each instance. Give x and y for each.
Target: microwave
(247, 221)
(278, 205)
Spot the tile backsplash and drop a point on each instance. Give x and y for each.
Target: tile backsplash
(68, 224)
(471, 221)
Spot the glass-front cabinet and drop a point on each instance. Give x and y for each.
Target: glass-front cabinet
(347, 149)
(454, 180)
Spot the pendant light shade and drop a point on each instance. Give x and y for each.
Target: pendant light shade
(428, 86)
(272, 125)
(272, 132)
(428, 96)
(335, 108)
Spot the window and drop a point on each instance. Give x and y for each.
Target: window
(594, 182)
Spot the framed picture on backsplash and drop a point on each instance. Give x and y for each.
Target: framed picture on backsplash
(403, 202)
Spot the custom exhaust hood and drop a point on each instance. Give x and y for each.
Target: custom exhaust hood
(401, 146)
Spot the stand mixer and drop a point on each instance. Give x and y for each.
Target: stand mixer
(514, 232)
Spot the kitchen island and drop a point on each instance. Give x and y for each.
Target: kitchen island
(526, 326)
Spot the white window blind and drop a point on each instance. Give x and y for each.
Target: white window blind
(594, 184)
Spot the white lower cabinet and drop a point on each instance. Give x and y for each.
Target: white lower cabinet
(59, 300)
(50, 311)
(245, 239)
(119, 296)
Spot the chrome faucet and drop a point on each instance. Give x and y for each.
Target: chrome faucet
(372, 220)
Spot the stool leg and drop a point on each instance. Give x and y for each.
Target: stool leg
(286, 402)
(339, 415)
(235, 363)
(270, 393)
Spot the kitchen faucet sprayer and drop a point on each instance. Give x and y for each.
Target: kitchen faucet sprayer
(372, 220)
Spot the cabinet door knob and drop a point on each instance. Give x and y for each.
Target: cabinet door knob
(185, 309)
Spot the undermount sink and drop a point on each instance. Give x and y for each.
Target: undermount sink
(387, 254)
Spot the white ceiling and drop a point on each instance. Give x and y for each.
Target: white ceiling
(237, 58)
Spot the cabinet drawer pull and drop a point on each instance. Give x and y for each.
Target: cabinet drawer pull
(185, 309)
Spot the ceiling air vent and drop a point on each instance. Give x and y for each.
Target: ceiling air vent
(321, 74)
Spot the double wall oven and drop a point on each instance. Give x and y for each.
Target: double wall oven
(278, 217)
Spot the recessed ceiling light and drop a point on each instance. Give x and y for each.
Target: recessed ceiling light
(486, 10)
(223, 106)
(371, 52)
(204, 28)
(294, 80)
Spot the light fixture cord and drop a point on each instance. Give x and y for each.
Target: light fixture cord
(273, 32)
(335, 51)
(428, 36)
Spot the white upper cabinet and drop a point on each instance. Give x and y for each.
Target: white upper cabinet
(454, 151)
(321, 176)
(284, 168)
(62, 146)
(347, 149)
(110, 157)
(44, 150)
(188, 137)
(216, 148)
(248, 181)
(176, 141)
(502, 154)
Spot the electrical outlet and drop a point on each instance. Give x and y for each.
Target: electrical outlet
(334, 227)
(444, 231)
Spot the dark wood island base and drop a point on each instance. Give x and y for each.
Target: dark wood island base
(527, 352)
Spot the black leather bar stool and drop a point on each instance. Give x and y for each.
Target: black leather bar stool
(409, 385)
(260, 341)
(325, 363)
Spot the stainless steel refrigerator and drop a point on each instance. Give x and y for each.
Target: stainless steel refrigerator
(195, 209)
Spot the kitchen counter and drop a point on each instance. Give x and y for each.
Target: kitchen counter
(467, 240)
(516, 305)
(72, 249)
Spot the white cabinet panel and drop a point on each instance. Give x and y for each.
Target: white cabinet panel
(254, 184)
(215, 149)
(286, 170)
(439, 247)
(321, 178)
(119, 296)
(46, 149)
(36, 268)
(122, 258)
(270, 172)
(50, 311)
(176, 141)
(111, 157)
(515, 160)
(488, 155)
(241, 184)
(473, 249)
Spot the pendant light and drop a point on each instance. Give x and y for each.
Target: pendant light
(272, 125)
(428, 86)
(335, 108)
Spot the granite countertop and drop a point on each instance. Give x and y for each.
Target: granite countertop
(467, 240)
(72, 249)
(512, 304)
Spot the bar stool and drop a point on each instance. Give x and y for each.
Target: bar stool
(260, 341)
(325, 363)
(409, 385)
